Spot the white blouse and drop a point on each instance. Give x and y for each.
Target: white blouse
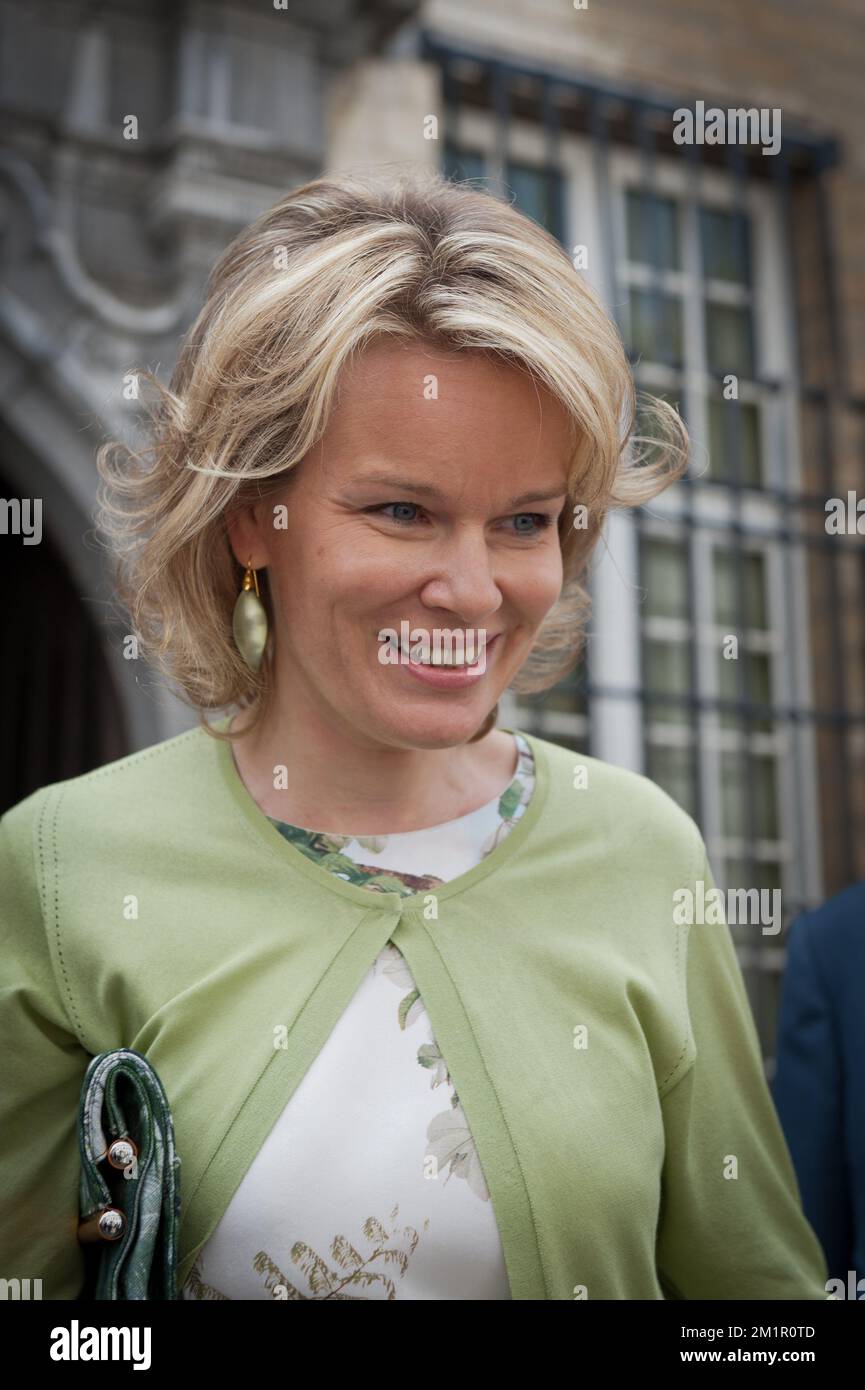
(369, 1184)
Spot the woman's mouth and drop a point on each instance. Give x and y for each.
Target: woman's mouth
(441, 669)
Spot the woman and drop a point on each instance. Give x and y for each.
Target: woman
(427, 1020)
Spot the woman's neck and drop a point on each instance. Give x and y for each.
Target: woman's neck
(347, 786)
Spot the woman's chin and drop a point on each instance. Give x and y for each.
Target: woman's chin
(434, 728)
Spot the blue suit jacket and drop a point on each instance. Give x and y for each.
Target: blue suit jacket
(819, 1085)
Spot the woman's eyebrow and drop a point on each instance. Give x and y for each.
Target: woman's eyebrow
(410, 485)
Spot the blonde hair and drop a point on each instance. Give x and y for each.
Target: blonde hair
(333, 265)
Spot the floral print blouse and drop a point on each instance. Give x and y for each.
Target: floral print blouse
(369, 1185)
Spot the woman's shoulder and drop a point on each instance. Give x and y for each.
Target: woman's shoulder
(149, 779)
(629, 808)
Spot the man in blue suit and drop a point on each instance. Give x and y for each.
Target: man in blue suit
(819, 1084)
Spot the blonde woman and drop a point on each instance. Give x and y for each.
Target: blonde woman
(429, 1020)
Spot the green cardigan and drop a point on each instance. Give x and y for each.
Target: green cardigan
(605, 1057)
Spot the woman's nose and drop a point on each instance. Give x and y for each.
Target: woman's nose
(463, 577)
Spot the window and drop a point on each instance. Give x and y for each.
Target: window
(721, 613)
(710, 282)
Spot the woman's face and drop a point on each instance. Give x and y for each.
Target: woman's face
(431, 501)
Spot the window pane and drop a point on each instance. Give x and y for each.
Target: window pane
(673, 769)
(653, 230)
(727, 610)
(726, 241)
(655, 326)
(729, 346)
(668, 672)
(765, 873)
(758, 674)
(750, 778)
(666, 579)
(722, 442)
(536, 194)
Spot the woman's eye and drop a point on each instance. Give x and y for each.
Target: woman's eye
(537, 521)
(406, 520)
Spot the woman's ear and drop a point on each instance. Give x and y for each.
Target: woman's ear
(244, 536)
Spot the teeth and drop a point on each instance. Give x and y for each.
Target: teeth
(426, 657)
(430, 655)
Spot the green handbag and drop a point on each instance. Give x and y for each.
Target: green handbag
(129, 1229)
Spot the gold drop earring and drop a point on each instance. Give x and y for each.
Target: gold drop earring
(250, 620)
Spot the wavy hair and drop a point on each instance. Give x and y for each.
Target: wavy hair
(333, 265)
